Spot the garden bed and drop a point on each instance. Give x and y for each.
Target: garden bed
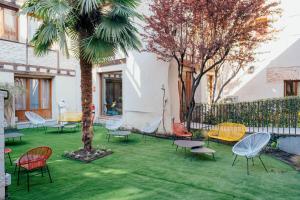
(87, 157)
(290, 159)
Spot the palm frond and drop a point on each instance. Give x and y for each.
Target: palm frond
(125, 11)
(97, 50)
(127, 3)
(46, 9)
(87, 6)
(45, 37)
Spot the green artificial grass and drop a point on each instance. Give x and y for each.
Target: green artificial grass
(151, 170)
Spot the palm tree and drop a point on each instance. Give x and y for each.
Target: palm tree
(94, 29)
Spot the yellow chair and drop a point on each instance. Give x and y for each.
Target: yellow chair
(230, 132)
(71, 117)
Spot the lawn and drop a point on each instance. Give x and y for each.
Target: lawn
(151, 170)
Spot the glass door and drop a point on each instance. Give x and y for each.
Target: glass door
(111, 91)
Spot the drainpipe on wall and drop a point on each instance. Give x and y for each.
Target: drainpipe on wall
(58, 63)
(2, 174)
(27, 26)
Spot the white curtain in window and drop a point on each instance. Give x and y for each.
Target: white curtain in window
(34, 94)
(20, 98)
(45, 94)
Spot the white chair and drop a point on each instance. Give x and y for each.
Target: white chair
(113, 125)
(151, 127)
(38, 121)
(250, 147)
(35, 119)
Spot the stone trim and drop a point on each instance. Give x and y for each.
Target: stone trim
(276, 74)
(35, 70)
(9, 5)
(113, 62)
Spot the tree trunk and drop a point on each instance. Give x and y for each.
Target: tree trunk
(86, 102)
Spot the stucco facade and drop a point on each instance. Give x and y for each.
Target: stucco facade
(278, 62)
(17, 59)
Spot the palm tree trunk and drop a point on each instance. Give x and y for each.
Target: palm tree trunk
(86, 102)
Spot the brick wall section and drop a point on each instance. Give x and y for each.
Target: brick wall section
(276, 74)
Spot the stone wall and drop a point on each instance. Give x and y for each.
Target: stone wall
(2, 174)
(283, 73)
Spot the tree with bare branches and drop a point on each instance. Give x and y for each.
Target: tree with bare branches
(203, 34)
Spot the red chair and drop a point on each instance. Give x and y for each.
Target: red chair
(32, 160)
(7, 152)
(181, 132)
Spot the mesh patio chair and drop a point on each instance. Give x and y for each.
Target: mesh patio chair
(32, 160)
(38, 121)
(113, 125)
(35, 119)
(250, 147)
(180, 132)
(151, 127)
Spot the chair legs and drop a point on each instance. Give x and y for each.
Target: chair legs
(8, 154)
(247, 166)
(247, 159)
(49, 174)
(27, 172)
(18, 182)
(263, 163)
(234, 160)
(28, 177)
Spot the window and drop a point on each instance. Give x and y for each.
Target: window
(33, 25)
(292, 88)
(8, 24)
(111, 92)
(21, 96)
(35, 97)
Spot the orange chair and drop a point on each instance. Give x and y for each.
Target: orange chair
(32, 160)
(7, 152)
(179, 131)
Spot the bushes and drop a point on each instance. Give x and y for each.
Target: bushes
(281, 112)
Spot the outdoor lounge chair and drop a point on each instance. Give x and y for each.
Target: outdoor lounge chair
(230, 132)
(113, 127)
(250, 147)
(38, 121)
(151, 127)
(32, 160)
(180, 132)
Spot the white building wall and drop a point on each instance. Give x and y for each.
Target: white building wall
(12, 52)
(142, 79)
(68, 89)
(282, 52)
(63, 86)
